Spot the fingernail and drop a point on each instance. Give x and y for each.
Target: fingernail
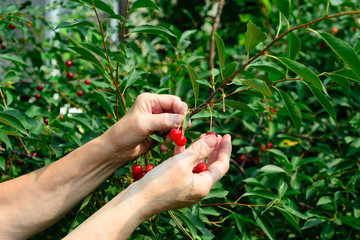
(211, 141)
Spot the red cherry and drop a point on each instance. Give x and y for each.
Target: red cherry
(34, 154)
(68, 63)
(262, 148)
(61, 117)
(181, 141)
(175, 134)
(261, 233)
(46, 120)
(38, 96)
(108, 115)
(20, 162)
(200, 168)
(212, 133)
(135, 176)
(353, 29)
(3, 47)
(136, 168)
(39, 88)
(80, 93)
(141, 175)
(12, 26)
(87, 81)
(149, 167)
(334, 30)
(69, 75)
(242, 158)
(269, 145)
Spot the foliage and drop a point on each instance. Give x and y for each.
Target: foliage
(281, 76)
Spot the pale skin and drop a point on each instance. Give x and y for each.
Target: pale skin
(35, 201)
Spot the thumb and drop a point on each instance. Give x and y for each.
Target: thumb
(199, 150)
(163, 121)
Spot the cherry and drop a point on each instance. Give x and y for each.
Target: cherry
(262, 148)
(261, 233)
(201, 167)
(353, 29)
(39, 88)
(68, 63)
(46, 120)
(141, 175)
(87, 81)
(12, 26)
(61, 117)
(212, 133)
(334, 30)
(175, 134)
(136, 169)
(242, 158)
(20, 162)
(181, 141)
(34, 154)
(108, 115)
(149, 167)
(269, 145)
(25, 98)
(135, 176)
(80, 93)
(38, 96)
(3, 47)
(69, 75)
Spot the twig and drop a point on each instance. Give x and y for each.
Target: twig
(262, 52)
(182, 228)
(214, 29)
(239, 167)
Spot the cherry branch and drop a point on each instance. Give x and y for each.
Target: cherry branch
(182, 228)
(275, 40)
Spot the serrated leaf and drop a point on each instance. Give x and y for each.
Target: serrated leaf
(194, 76)
(304, 72)
(144, 4)
(264, 224)
(220, 46)
(294, 46)
(292, 109)
(5, 139)
(323, 101)
(13, 59)
(283, 6)
(87, 54)
(76, 24)
(242, 107)
(269, 67)
(253, 36)
(259, 85)
(150, 29)
(271, 169)
(13, 122)
(344, 51)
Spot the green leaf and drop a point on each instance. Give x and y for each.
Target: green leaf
(217, 193)
(283, 6)
(242, 107)
(323, 101)
(265, 224)
(95, 49)
(328, 231)
(194, 76)
(117, 17)
(340, 80)
(144, 4)
(100, 5)
(324, 200)
(13, 59)
(344, 51)
(220, 46)
(294, 46)
(2, 163)
(150, 29)
(253, 36)
(119, 58)
(268, 67)
(271, 169)
(351, 222)
(279, 153)
(76, 24)
(292, 109)
(55, 113)
(104, 102)
(259, 193)
(290, 218)
(312, 223)
(133, 77)
(259, 85)
(13, 122)
(85, 202)
(187, 222)
(304, 72)
(5, 139)
(157, 138)
(87, 54)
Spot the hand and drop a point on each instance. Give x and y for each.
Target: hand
(129, 137)
(172, 184)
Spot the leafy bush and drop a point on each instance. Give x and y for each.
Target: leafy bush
(284, 85)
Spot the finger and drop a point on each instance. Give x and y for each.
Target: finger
(167, 139)
(167, 103)
(179, 149)
(213, 155)
(218, 168)
(198, 151)
(163, 121)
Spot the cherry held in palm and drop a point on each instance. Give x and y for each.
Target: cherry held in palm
(201, 167)
(181, 141)
(175, 134)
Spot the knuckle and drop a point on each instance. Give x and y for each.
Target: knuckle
(200, 150)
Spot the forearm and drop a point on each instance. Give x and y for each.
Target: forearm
(117, 219)
(33, 202)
